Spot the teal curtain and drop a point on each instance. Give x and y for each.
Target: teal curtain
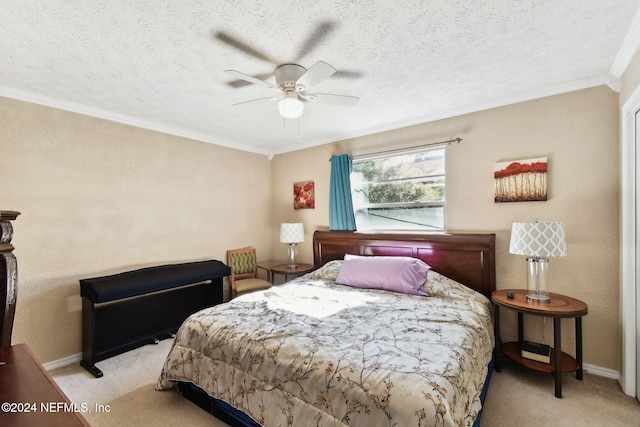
(341, 216)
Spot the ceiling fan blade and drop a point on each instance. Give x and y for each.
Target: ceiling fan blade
(250, 79)
(314, 39)
(348, 74)
(231, 41)
(241, 83)
(327, 98)
(269, 98)
(314, 75)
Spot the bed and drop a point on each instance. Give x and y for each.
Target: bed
(316, 352)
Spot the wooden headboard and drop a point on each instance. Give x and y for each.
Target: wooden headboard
(467, 258)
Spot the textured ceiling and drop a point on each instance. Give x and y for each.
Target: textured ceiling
(160, 64)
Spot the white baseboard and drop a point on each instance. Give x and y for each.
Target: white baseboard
(602, 372)
(592, 369)
(65, 361)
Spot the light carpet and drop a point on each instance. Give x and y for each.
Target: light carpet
(517, 396)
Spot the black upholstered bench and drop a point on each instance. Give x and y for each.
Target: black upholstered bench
(130, 309)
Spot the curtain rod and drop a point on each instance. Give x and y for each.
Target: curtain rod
(448, 142)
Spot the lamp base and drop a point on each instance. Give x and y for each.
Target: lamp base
(538, 297)
(537, 284)
(292, 256)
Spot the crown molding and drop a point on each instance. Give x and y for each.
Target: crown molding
(629, 48)
(119, 118)
(421, 118)
(418, 118)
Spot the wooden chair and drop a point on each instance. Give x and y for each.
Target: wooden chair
(244, 272)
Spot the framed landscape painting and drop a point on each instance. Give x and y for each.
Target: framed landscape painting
(520, 181)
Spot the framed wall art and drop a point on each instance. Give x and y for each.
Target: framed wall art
(303, 195)
(520, 181)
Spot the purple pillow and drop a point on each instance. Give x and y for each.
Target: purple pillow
(391, 273)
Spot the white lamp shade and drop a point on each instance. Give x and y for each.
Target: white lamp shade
(291, 232)
(290, 107)
(539, 239)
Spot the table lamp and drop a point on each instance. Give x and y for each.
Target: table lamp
(538, 241)
(292, 233)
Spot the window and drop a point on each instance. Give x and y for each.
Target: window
(400, 191)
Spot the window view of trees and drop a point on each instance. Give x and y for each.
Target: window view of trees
(403, 191)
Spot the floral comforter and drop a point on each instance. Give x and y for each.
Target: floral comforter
(312, 352)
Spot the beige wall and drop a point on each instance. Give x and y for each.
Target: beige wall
(99, 197)
(579, 134)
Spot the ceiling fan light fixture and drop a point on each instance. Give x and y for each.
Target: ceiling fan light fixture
(290, 107)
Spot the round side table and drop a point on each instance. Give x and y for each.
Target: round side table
(287, 271)
(558, 307)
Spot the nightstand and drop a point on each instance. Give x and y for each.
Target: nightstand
(558, 307)
(278, 267)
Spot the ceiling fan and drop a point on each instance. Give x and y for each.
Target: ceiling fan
(293, 81)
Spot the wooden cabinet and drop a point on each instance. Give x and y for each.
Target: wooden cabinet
(30, 397)
(8, 277)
